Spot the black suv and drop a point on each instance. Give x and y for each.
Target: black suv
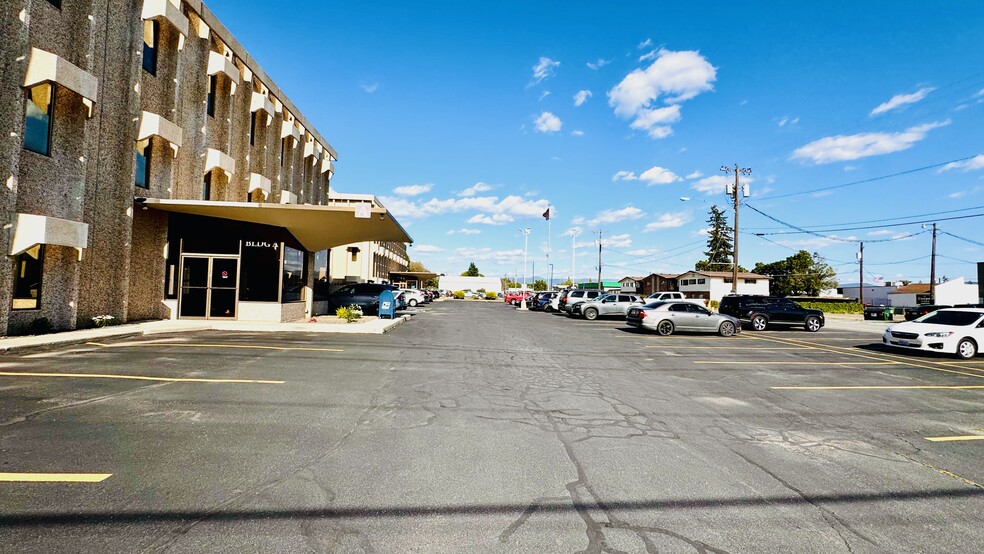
(763, 311)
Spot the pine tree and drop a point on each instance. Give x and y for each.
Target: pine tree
(719, 245)
(472, 271)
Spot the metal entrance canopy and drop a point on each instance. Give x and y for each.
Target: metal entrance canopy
(315, 227)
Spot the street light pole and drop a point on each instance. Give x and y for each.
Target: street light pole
(526, 245)
(551, 278)
(574, 234)
(738, 191)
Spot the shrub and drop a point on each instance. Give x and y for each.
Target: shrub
(103, 320)
(349, 313)
(834, 307)
(713, 304)
(459, 295)
(481, 291)
(491, 295)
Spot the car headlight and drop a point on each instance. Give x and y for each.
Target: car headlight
(940, 334)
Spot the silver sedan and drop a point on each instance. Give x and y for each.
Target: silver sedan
(667, 317)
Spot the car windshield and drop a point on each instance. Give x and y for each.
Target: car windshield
(608, 297)
(948, 317)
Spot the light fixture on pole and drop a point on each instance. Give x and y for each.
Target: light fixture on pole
(737, 191)
(575, 232)
(526, 244)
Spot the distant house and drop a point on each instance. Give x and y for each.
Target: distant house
(714, 285)
(949, 293)
(874, 295)
(659, 282)
(632, 285)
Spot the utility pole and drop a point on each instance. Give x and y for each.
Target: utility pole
(599, 260)
(737, 191)
(932, 271)
(550, 286)
(861, 275)
(534, 272)
(574, 234)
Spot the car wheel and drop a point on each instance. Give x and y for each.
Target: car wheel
(548, 308)
(664, 328)
(813, 324)
(966, 349)
(759, 323)
(591, 314)
(412, 303)
(726, 329)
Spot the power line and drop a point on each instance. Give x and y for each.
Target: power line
(818, 233)
(884, 219)
(871, 180)
(963, 238)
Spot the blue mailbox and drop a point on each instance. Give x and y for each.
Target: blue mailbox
(387, 304)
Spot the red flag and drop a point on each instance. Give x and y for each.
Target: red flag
(546, 214)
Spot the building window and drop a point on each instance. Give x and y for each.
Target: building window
(728, 280)
(213, 81)
(252, 128)
(151, 35)
(207, 186)
(283, 149)
(141, 176)
(37, 118)
(293, 275)
(355, 253)
(321, 280)
(27, 279)
(701, 281)
(750, 281)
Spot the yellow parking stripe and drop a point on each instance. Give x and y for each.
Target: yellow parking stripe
(138, 378)
(886, 387)
(880, 356)
(54, 477)
(727, 362)
(957, 438)
(191, 345)
(768, 348)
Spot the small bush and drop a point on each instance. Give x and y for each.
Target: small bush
(349, 313)
(481, 291)
(459, 295)
(103, 320)
(713, 304)
(491, 296)
(834, 307)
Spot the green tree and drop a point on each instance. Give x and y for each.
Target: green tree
(719, 243)
(801, 273)
(417, 267)
(566, 283)
(472, 271)
(539, 285)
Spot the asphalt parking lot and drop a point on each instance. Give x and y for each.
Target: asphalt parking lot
(479, 428)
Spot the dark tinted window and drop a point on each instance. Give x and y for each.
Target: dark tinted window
(293, 275)
(37, 118)
(27, 279)
(321, 275)
(259, 279)
(151, 33)
(679, 307)
(947, 317)
(210, 98)
(654, 304)
(141, 176)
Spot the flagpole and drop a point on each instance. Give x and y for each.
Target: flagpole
(550, 285)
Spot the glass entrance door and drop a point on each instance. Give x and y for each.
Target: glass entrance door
(209, 287)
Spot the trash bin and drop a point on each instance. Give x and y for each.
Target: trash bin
(387, 304)
(888, 314)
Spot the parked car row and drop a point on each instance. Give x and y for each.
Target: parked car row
(667, 312)
(366, 297)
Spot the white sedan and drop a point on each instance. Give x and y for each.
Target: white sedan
(413, 297)
(957, 331)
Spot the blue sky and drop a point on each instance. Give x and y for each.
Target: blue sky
(469, 118)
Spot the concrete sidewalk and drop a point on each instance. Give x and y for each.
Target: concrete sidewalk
(373, 327)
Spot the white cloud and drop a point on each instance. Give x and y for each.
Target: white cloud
(624, 176)
(509, 206)
(598, 64)
(695, 175)
(369, 87)
(821, 194)
(841, 148)
(786, 120)
(715, 184)
(880, 233)
(412, 190)
(668, 221)
(657, 175)
(816, 242)
(544, 94)
(577, 133)
(494, 219)
(657, 122)
(645, 44)
(487, 254)
(643, 252)
(548, 123)
(651, 55)
(900, 100)
(475, 189)
(673, 77)
(427, 249)
(578, 220)
(543, 69)
(464, 231)
(581, 97)
(617, 241)
(977, 162)
(627, 213)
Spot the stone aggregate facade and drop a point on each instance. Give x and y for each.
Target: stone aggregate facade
(89, 175)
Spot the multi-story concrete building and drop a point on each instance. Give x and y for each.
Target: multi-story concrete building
(151, 169)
